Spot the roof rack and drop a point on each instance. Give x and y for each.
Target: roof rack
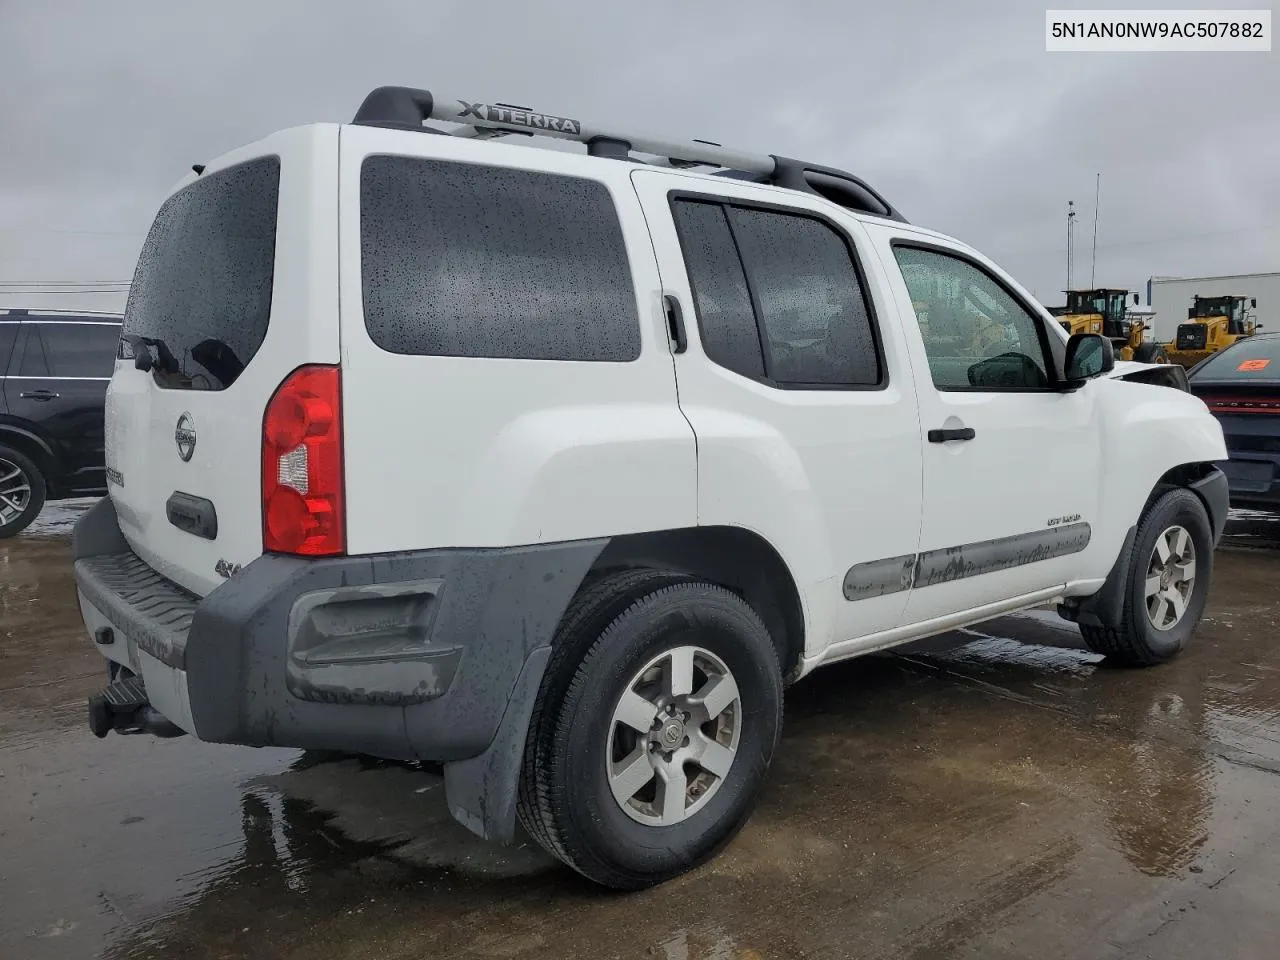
(405, 108)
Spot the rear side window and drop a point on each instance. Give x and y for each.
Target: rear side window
(725, 315)
(813, 310)
(75, 350)
(464, 260)
(779, 296)
(8, 336)
(1257, 358)
(201, 295)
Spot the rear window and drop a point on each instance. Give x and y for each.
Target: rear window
(1257, 358)
(201, 295)
(464, 260)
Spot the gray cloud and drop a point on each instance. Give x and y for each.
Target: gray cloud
(953, 110)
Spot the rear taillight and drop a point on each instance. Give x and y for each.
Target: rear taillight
(302, 477)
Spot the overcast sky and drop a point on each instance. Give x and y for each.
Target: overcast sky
(951, 108)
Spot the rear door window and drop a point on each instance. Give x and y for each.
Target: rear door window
(466, 260)
(29, 359)
(82, 351)
(201, 295)
(779, 295)
(8, 336)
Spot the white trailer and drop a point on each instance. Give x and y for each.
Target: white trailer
(1170, 298)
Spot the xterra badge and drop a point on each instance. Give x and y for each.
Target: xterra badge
(184, 435)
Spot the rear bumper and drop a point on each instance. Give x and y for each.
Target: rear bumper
(1253, 479)
(434, 655)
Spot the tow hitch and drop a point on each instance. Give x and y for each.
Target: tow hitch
(123, 706)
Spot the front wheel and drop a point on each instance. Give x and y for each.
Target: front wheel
(1166, 587)
(653, 731)
(1150, 353)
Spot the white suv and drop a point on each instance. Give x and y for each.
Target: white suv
(556, 467)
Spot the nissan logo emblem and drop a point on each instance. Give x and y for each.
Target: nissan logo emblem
(184, 435)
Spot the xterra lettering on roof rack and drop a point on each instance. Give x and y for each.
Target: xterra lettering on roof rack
(409, 109)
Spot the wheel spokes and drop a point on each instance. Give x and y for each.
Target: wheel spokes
(680, 672)
(715, 697)
(713, 757)
(636, 712)
(633, 774)
(674, 790)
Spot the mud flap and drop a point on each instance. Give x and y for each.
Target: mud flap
(482, 791)
(1105, 606)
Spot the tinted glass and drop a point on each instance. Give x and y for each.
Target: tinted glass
(1257, 358)
(815, 323)
(976, 336)
(472, 261)
(78, 349)
(202, 289)
(29, 358)
(725, 317)
(8, 335)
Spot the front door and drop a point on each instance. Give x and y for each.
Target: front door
(1012, 468)
(797, 384)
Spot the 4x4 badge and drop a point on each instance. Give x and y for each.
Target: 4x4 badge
(184, 435)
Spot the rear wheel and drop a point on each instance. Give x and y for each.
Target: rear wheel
(655, 726)
(1167, 584)
(1150, 353)
(22, 491)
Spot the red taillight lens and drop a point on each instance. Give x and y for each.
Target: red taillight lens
(302, 487)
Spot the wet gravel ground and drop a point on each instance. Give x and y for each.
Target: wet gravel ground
(996, 793)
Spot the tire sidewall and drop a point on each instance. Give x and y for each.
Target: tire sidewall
(38, 492)
(1176, 508)
(696, 615)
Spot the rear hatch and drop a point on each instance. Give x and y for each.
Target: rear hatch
(234, 289)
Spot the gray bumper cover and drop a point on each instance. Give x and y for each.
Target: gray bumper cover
(434, 655)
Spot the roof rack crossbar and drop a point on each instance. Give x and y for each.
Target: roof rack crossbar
(408, 108)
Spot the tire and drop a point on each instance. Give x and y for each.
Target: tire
(21, 483)
(1135, 640)
(612, 631)
(1150, 353)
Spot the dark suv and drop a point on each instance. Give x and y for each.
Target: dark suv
(54, 370)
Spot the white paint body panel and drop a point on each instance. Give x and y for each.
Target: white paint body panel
(472, 452)
(830, 478)
(225, 466)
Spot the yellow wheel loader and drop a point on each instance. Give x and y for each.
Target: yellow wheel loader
(1105, 311)
(1212, 323)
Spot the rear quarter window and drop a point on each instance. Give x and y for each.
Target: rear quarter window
(467, 260)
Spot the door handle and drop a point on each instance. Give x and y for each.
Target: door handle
(959, 433)
(39, 395)
(675, 323)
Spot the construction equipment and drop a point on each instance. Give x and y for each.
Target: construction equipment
(1105, 311)
(1212, 323)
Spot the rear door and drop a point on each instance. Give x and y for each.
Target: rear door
(57, 383)
(236, 286)
(797, 384)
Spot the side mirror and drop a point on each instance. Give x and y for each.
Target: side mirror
(1135, 299)
(1088, 356)
(1253, 302)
